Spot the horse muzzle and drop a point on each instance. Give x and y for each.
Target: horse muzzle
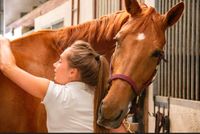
(107, 121)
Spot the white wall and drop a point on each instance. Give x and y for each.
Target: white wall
(86, 10)
(16, 33)
(13, 8)
(185, 115)
(150, 3)
(151, 119)
(62, 12)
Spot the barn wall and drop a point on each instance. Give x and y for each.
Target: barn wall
(62, 12)
(86, 10)
(18, 7)
(184, 114)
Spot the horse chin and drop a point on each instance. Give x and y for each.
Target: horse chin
(111, 124)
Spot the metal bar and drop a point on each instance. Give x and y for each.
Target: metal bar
(172, 65)
(159, 68)
(180, 72)
(169, 58)
(163, 111)
(78, 11)
(197, 51)
(184, 53)
(162, 64)
(188, 49)
(155, 84)
(72, 13)
(166, 55)
(95, 9)
(120, 4)
(176, 60)
(192, 50)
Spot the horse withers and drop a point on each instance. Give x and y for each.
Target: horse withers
(139, 49)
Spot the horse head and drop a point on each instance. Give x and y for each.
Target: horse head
(139, 49)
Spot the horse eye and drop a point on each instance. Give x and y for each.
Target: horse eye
(157, 53)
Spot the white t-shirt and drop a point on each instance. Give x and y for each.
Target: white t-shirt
(69, 107)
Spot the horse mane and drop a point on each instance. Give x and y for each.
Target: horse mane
(93, 31)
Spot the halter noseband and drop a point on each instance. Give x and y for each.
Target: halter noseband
(130, 81)
(127, 79)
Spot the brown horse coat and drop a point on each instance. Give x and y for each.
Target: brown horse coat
(36, 53)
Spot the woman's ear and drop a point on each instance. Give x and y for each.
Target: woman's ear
(74, 74)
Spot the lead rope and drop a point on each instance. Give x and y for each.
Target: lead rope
(130, 127)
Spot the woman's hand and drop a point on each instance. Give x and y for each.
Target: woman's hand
(36, 86)
(6, 56)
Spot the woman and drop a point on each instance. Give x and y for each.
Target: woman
(72, 101)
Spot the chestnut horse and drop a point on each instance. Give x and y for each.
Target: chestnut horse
(139, 49)
(37, 52)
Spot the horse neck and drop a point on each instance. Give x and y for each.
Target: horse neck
(97, 32)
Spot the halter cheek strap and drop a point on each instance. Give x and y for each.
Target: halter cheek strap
(127, 79)
(124, 78)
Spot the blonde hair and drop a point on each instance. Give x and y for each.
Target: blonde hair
(94, 71)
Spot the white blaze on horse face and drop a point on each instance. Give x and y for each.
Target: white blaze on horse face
(141, 36)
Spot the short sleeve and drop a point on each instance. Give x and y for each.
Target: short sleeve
(56, 94)
(49, 92)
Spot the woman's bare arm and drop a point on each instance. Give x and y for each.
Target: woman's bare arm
(34, 85)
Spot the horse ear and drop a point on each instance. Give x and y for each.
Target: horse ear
(173, 15)
(133, 7)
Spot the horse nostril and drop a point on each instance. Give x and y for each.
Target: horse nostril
(100, 119)
(100, 108)
(119, 116)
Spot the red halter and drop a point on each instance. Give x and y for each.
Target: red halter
(130, 81)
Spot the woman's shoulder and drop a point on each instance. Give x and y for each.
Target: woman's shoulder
(76, 84)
